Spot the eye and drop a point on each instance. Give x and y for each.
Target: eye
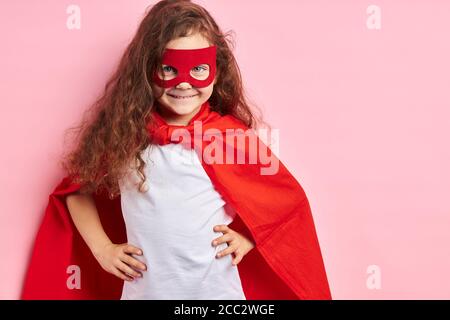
(200, 68)
(168, 69)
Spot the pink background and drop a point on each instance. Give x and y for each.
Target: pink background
(364, 119)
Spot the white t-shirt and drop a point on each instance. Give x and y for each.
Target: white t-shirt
(172, 222)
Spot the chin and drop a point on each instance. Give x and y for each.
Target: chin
(183, 107)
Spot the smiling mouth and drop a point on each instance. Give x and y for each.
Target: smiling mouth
(182, 97)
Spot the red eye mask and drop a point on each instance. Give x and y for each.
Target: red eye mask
(184, 60)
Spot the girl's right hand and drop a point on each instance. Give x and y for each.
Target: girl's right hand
(117, 260)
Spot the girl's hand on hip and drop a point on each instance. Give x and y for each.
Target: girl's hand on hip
(238, 244)
(117, 259)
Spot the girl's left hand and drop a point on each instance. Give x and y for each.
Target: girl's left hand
(237, 243)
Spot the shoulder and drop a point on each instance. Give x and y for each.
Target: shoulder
(228, 121)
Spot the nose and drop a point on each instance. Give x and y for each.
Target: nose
(184, 85)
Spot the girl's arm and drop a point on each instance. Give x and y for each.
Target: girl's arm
(85, 216)
(114, 258)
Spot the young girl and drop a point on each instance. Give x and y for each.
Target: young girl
(143, 216)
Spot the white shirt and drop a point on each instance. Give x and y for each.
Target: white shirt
(172, 222)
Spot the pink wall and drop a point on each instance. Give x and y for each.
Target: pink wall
(363, 114)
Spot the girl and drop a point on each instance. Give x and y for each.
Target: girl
(145, 216)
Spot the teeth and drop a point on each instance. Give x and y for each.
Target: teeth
(178, 97)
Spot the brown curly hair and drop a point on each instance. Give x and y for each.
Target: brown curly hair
(113, 130)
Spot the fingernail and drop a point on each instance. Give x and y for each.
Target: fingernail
(214, 242)
(139, 252)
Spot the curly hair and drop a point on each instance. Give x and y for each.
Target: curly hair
(113, 130)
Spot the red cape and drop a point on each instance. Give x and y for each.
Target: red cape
(272, 210)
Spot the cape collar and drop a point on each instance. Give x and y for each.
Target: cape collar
(160, 131)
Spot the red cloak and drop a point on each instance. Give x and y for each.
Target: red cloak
(272, 210)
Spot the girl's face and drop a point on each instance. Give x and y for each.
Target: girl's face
(176, 110)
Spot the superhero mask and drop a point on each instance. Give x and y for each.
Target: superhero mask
(183, 61)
